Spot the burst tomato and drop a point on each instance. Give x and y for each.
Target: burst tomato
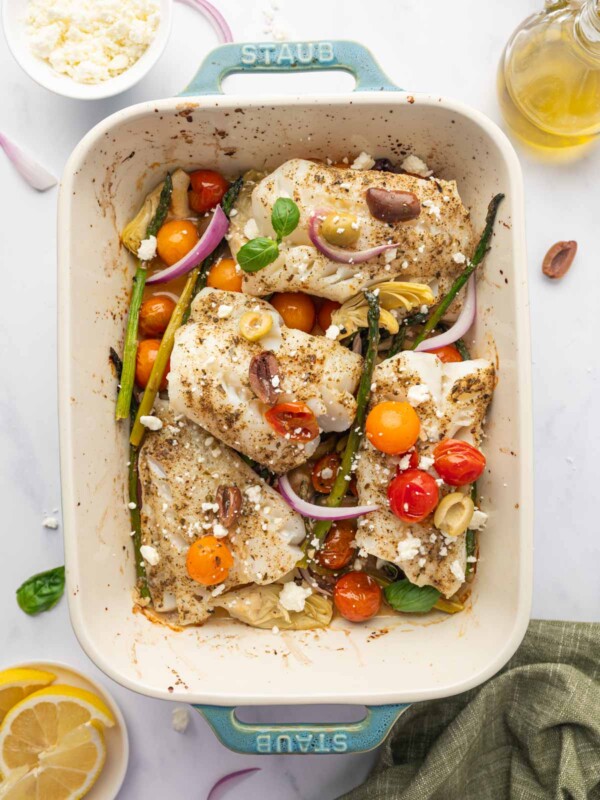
(144, 361)
(413, 494)
(208, 189)
(458, 463)
(357, 596)
(293, 420)
(324, 473)
(155, 314)
(338, 548)
(447, 353)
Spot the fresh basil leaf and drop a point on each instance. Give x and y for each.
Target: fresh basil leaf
(405, 596)
(257, 254)
(284, 217)
(42, 591)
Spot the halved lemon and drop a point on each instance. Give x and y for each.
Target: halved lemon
(16, 684)
(37, 726)
(66, 772)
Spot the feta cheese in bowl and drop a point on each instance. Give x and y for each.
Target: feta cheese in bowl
(87, 49)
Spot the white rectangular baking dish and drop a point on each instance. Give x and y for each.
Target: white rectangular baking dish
(390, 660)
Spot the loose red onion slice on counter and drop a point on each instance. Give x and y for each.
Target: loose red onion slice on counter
(223, 784)
(319, 512)
(339, 254)
(210, 239)
(214, 16)
(31, 170)
(465, 319)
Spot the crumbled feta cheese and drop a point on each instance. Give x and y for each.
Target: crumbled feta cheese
(425, 462)
(327, 473)
(219, 531)
(419, 393)
(457, 571)
(50, 522)
(408, 548)
(253, 493)
(417, 166)
(251, 229)
(224, 311)
(459, 258)
(218, 590)
(432, 208)
(332, 332)
(404, 462)
(390, 255)
(150, 554)
(150, 422)
(363, 161)
(478, 520)
(421, 562)
(180, 719)
(293, 597)
(147, 249)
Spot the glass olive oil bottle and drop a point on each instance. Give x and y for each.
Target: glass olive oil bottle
(549, 76)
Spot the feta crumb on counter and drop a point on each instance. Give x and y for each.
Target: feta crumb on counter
(417, 166)
(147, 249)
(363, 161)
(293, 597)
(150, 422)
(150, 554)
(408, 548)
(180, 719)
(50, 522)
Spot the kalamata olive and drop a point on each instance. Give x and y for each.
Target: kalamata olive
(385, 165)
(559, 258)
(263, 375)
(229, 500)
(389, 206)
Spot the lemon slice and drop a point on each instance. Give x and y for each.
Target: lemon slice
(66, 772)
(15, 684)
(39, 724)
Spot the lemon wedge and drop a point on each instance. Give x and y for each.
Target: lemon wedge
(39, 726)
(65, 772)
(16, 684)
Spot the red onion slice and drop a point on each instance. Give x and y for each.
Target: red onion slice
(465, 319)
(221, 786)
(318, 512)
(214, 16)
(338, 253)
(210, 239)
(31, 170)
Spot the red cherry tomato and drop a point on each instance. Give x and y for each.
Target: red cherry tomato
(208, 188)
(293, 420)
(413, 495)
(324, 473)
(357, 596)
(447, 353)
(458, 463)
(338, 548)
(413, 462)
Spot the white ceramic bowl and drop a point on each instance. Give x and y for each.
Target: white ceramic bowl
(14, 16)
(117, 741)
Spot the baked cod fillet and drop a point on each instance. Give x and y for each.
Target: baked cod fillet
(181, 467)
(451, 401)
(209, 378)
(429, 248)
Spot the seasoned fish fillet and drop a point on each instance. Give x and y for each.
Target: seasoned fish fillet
(451, 401)
(209, 380)
(426, 246)
(181, 467)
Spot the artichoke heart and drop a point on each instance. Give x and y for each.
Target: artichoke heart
(392, 294)
(259, 607)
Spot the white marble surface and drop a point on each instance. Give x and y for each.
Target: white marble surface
(451, 48)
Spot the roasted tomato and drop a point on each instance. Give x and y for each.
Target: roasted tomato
(447, 353)
(357, 596)
(155, 314)
(175, 240)
(226, 275)
(293, 420)
(338, 548)
(413, 495)
(458, 463)
(393, 427)
(325, 312)
(324, 473)
(144, 361)
(296, 308)
(208, 189)
(208, 561)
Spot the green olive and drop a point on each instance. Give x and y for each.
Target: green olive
(340, 228)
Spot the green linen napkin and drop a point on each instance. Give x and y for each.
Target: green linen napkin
(532, 732)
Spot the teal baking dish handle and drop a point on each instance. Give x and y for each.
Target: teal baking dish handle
(318, 56)
(302, 737)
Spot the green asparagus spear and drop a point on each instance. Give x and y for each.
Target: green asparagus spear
(139, 282)
(471, 537)
(458, 284)
(340, 486)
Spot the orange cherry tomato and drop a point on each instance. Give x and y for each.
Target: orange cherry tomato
(447, 353)
(325, 312)
(226, 275)
(357, 596)
(338, 548)
(208, 561)
(208, 189)
(294, 421)
(296, 308)
(155, 314)
(393, 427)
(458, 463)
(413, 494)
(175, 240)
(324, 473)
(144, 361)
